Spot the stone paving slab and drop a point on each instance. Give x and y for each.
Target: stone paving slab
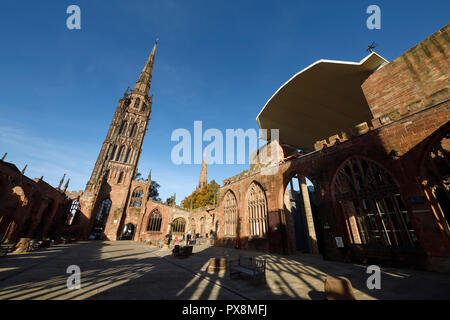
(130, 270)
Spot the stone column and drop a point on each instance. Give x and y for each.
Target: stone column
(308, 216)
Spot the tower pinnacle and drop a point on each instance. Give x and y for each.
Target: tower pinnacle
(145, 79)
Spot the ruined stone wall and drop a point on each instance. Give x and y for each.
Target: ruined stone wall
(417, 79)
(169, 213)
(28, 208)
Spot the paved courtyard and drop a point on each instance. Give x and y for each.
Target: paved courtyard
(129, 270)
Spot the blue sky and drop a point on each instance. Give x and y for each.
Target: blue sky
(217, 61)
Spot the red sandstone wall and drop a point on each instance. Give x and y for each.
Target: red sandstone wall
(417, 79)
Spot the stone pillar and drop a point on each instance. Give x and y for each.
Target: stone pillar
(308, 216)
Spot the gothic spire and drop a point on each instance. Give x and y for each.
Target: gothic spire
(145, 79)
(203, 177)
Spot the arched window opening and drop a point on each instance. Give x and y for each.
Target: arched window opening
(137, 103)
(230, 214)
(120, 179)
(372, 205)
(178, 226)
(133, 130)
(120, 153)
(100, 219)
(74, 207)
(111, 157)
(127, 156)
(257, 211)
(123, 127)
(154, 221)
(136, 198)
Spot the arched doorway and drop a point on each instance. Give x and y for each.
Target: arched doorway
(128, 232)
(300, 202)
(100, 220)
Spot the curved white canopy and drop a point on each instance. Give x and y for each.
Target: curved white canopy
(321, 100)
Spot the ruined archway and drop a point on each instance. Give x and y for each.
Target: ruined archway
(178, 226)
(300, 203)
(369, 199)
(436, 177)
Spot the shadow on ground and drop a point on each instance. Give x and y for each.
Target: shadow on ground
(129, 270)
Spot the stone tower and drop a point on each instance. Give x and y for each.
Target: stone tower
(117, 161)
(203, 181)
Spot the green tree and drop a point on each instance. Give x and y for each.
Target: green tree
(170, 201)
(207, 195)
(153, 192)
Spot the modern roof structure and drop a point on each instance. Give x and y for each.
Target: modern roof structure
(322, 100)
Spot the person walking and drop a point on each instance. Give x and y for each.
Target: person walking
(188, 238)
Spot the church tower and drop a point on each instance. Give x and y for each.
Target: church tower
(108, 189)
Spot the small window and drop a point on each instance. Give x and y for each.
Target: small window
(120, 178)
(137, 103)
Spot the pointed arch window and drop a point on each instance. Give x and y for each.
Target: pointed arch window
(120, 179)
(133, 130)
(127, 156)
(103, 212)
(136, 198)
(257, 211)
(154, 221)
(371, 204)
(230, 214)
(123, 127)
(111, 157)
(178, 225)
(137, 103)
(120, 153)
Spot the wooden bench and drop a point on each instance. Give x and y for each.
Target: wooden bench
(255, 268)
(182, 251)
